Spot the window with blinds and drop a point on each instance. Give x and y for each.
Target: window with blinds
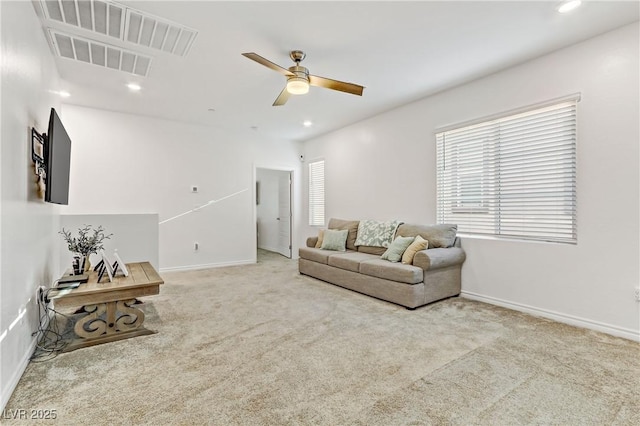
(316, 193)
(512, 177)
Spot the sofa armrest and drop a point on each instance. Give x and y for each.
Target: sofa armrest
(311, 241)
(439, 258)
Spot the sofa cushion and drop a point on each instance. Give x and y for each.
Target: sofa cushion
(396, 249)
(351, 226)
(376, 233)
(378, 251)
(392, 271)
(437, 235)
(315, 254)
(417, 245)
(334, 240)
(350, 260)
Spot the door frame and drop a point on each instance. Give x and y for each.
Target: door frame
(291, 172)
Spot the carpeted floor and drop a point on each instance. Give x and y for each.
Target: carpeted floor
(261, 344)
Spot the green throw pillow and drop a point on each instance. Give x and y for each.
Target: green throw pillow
(334, 239)
(397, 248)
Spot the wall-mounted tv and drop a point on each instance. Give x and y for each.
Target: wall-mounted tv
(57, 157)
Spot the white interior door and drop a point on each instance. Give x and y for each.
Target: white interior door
(284, 214)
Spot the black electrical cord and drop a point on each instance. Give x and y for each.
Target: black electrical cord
(50, 340)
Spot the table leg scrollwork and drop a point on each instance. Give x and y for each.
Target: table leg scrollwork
(131, 317)
(109, 318)
(91, 325)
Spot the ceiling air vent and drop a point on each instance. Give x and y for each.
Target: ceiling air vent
(149, 31)
(121, 22)
(102, 17)
(97, 53)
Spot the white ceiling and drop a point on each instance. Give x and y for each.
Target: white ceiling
(400, 51)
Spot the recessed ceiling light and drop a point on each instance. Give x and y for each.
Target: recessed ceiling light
(64, 94)
(568, 6)
(134, 87)
(307, 123)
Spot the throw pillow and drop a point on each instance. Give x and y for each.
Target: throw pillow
(397, 247)
(418, 244)
(320, 238)
(375, 233)
(334, 240)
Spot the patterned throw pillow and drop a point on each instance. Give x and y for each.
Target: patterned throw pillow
(418, 244)
(375, 233)
(334, 240)
(397, 247)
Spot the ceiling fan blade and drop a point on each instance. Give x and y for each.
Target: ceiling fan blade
(328, 83)
(267, 63)
(282, 98)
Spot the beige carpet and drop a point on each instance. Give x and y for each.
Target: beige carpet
(261, 344)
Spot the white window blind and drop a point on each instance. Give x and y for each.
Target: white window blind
(316, 193)
(513, 176)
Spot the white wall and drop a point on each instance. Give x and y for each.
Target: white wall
(135, 236)
(384, 168)
(28, 226)
(133, 164)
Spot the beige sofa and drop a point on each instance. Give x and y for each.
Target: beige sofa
(434, 274)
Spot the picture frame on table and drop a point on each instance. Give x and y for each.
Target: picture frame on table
(119, 264)
(106, 266)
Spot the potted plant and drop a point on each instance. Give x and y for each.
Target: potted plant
(88, 241)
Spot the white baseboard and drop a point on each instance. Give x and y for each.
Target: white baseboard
(207, 266)
(18, 372)
(626, 333)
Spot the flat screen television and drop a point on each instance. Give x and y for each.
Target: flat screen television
(57, 157)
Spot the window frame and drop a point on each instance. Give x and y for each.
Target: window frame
(528, 170)
(316, 196)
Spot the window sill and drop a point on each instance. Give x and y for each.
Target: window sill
(514, 239)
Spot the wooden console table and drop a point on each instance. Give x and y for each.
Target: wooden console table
(108, 306)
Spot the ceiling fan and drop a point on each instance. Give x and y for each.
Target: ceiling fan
(299, 79)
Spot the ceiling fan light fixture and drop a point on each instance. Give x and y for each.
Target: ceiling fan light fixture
(297, 85)
(299, 79)
(568, 6)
